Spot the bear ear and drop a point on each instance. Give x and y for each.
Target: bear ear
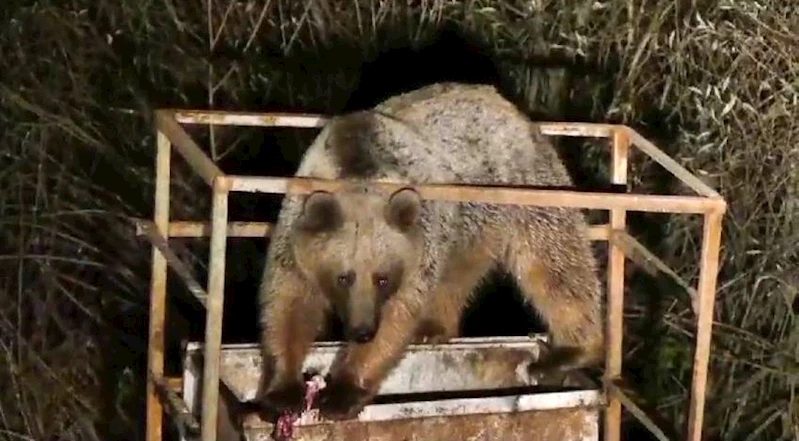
(321, 212)
(403, 208)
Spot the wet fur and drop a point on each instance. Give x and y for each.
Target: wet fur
(444, 133)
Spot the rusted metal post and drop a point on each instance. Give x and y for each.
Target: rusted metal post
(640, 255)
(199, 162)
(214, 306)
(155, 350)
(251, 119)
(672, 166)
(190, 229)
(708, 274)
(173, 261)
(655, 203)
(615, 329)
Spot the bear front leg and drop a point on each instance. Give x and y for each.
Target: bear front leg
(441, 322)
(292, 317)
(357, 378)
(465, 269)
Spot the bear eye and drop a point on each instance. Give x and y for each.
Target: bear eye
(381, 281)
(345, 280)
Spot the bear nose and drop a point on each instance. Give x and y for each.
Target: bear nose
(362, 334)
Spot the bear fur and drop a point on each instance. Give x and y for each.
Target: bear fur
(397, 269)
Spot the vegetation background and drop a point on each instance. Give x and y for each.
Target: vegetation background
(714, 83)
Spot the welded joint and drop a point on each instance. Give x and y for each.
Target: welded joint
(718, 207)
(221, 184)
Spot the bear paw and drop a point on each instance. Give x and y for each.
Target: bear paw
(289, 397)
(342, 400)
(432, 333)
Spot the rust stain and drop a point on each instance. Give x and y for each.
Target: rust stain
(448, 359)
(490, 368)
(496, 367)
(550, 425)
(269, 120)
(201, 118)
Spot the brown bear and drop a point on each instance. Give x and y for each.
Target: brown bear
(396, 268)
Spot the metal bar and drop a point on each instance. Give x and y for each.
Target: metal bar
(308, 120)
(191, 378)
(638, 253)
(454, 344)
(175, 384)
(174, 262)
(566, 424)
(196, 229)
(487, 194)
(185, 145)
(175, 405)
(424, 368)
(598, 232)
(251, 119)
(671, 165)
(708, 275)
(587, 130)
(471, 406)
(436, 369)
(155, 349)
(213, 320)
(617, 394)
(615, 280)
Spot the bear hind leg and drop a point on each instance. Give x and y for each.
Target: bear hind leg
(561, 283)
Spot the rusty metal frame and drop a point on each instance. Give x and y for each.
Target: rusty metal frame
(170, 133)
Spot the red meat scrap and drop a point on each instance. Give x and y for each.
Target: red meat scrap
(284, 427)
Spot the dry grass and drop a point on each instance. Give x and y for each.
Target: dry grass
(719, 80)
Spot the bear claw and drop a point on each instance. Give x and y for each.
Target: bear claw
(286, 398)
(342, 400)
(432, 333)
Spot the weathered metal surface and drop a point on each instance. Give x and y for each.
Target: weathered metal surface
(308, 120)
(615, 287)
(213, 319)
(464, 364)
(652, 264)
(614, 391)
(192, 229)
(575, 424)
(155, 339)
(708, 278)
(174, 405)
(187, 147)
(475, 364)
(181, 269)
(571, 129)
(711, 204)
(672, 166)
(654, 203)
(311, 120)
(462, 406)
(225, 118)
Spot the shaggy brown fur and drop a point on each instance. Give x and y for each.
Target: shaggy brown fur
(396, 268)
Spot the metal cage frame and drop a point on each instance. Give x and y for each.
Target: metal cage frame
(170, 133)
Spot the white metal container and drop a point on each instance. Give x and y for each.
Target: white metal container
(503, 404)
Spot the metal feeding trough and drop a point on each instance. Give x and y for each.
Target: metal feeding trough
(468, 389)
